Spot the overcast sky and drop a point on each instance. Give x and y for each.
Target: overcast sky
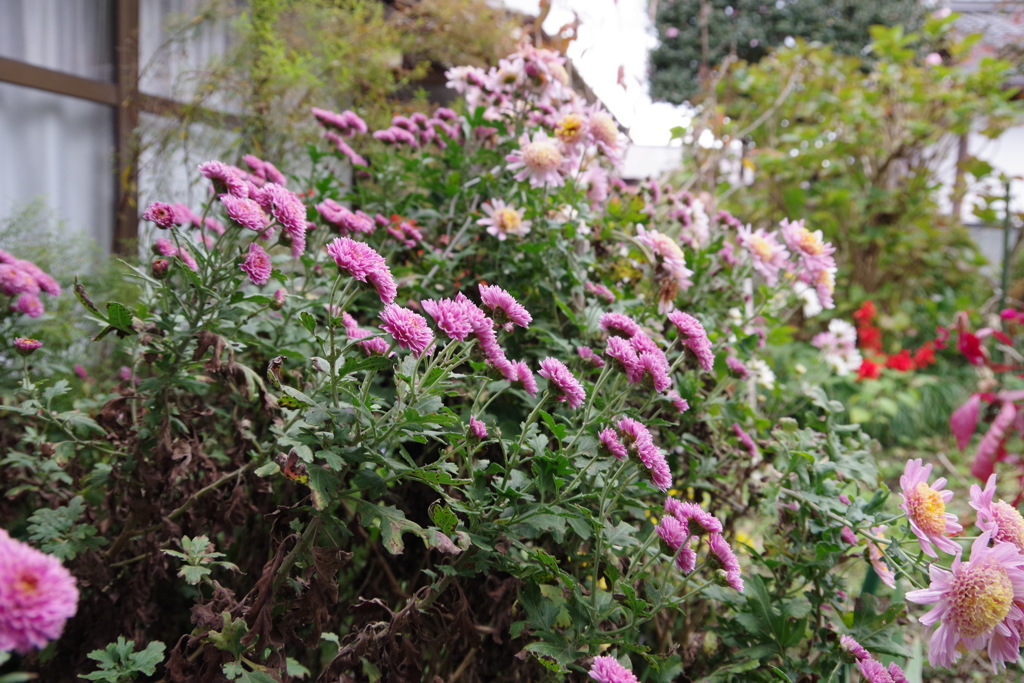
(615, 33)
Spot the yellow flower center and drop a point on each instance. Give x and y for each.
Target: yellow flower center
(26, 583)
(760, 246)
(570, 129)
(508, 219)
(542, 156)
(1009, 524)
(927, 509)
(827, 279)
(980, 597)
(810, 243)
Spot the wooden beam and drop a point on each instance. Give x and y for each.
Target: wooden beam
(41, 78)
(126, 59)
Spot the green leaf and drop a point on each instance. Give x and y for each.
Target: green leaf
(308, 321)
(392, 522)
(120, 317)
(442, 516)
(229, 638)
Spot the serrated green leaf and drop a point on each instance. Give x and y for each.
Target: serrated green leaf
(392, 522)
(120, 317)
(442, 516)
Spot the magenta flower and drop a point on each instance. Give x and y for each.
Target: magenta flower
(655, 366)
(163, 215)
(680, 403)
(477, 428)
(640, 442)
(977, 604)
(26, 346)
(257, 265)
(599, 290)
(560, 378)
(246, 212)
(692, 333)
(721, 550)
(451, 317)
(264, 170)
(15, 280)
(363, 263)
(874, 671)
(853, 647)
(1000, 518)
(623, 353)
(737, 367)
(619, 324)
(29, 304)
(524, 375)
(409, 329)
(37, 596)
(746, 440)
(343, 147)
(925, 506)
(588, 355)
(288, 210)
(685, 512)
(676, 535)
(610, 441)
(374, 346)
(225, 178)
(608, 670)
(504, 308)
(539, 160)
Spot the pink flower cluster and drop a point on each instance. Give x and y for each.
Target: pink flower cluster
(633, 438)
(608, 670)
(409, 329)
(24, 281)
(362, 262)
(340, 126)
(814, 262)
(677, 530)
(419, 130)
(692, 334)
(870, 668)
(37, 596)
(263, 171)
(635, 352)
(375, 346)
(164, 247)
(257, 265)
(348, 221)
(403, 230)
(563, 382)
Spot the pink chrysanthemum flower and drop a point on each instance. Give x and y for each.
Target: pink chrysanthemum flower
(813, 250)
(560, 378)
(288, 210)
(257, 265)
(721, 549)
(37, 596)
(874, 671)
(925, 506)
(685, 512)
(737, 367)
(503, 220)
(877, 559)
(504, 308)
(226, 178)
(538, 160)
(691, 333)
(477, 428)
(45, 282)
(246, 212)
(28, 304)
(767, 256)
(608, 670)
(344, 148)
(1002, 519)
(374, 346)
(610, 440)
(264, 170)
(676, 535)
(599, 290)
(15, 280)
(853, 647)
(746, 440)
(623, 353)
(362, 262)
(524, 375)
(977, 604)
(680, 403)
(897, 674)
(587, 354)
(409, 329)
(641, 443)
(654, 365)
(451, 317)
(161, 214)
(846, 533)
(26, 346)
(619, 324)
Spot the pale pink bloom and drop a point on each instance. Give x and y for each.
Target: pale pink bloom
(409, 329)
(348, 221)
(348, 123)
(767, 256)
(226, 178)
(288, 210)
(897, 674)
(610, 440)
(877, 560)
(811, 247)
(977, 604)
(692, 333)
(478, 428)
(45, 282)
(451, 317)
(561, 379)
(164, 247)
(933, 59)
(37, 596)
(673, 263)
(163, 215)
(187, 259)
(503, 220)
(846, 533)
(257, 265)
(504, 308)
(28, 304)
(925, 506)
(619, 323)
(587, 354)
(605, 134)
(363, 263)
(246, 212)
(213, 225)
(538, 160)
(1000, 518)
(608, 670)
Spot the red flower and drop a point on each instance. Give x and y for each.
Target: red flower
(970, 346)
(865, 314)
(869, 370)
(869, 338)
(925, 355)
(901, 362)
(941, 336)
